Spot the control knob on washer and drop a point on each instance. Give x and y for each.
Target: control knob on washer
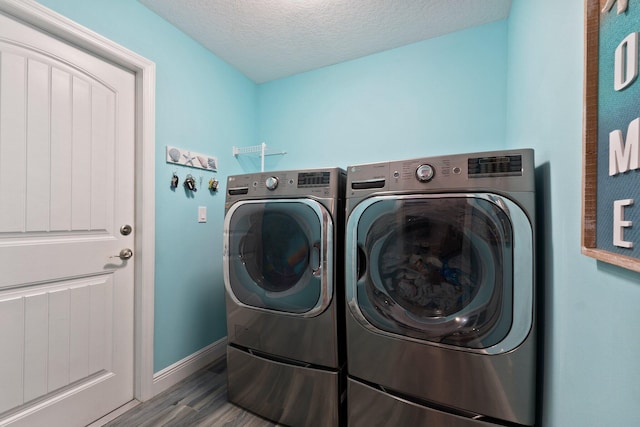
(425, 173)
(271, 183)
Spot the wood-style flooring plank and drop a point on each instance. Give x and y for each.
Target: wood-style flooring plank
(198, 401)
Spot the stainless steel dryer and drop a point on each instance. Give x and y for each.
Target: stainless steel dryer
(441, 292)
(284, 280)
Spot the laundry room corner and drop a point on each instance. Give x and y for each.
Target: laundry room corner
(439, 96)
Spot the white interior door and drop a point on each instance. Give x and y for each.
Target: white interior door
(66, 188)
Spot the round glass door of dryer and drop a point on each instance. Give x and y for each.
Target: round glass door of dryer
(276, 255)
(438, 269)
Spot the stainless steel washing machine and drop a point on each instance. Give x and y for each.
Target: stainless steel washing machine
(284, 280)
(441, 291)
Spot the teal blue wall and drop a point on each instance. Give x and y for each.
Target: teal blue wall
(443, 95)
(203, 105)
(591, 316)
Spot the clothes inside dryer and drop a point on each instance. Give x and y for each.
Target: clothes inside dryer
(439, 269)
(274, 251)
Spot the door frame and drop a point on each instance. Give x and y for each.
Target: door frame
(70, 32)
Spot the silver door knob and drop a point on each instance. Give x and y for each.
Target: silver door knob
(124, 254)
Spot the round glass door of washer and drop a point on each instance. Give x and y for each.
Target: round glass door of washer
(430, 268)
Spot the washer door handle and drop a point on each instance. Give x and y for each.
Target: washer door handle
(361, 263)
(316, 259)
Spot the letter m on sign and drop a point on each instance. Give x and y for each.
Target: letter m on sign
(624, 156)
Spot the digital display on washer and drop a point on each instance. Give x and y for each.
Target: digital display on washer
(480, 167)
(313, 179)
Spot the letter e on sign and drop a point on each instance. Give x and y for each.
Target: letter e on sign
(619, 223)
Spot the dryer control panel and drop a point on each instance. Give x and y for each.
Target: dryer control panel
(320, 183)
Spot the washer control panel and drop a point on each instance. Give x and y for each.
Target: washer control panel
(489, 169)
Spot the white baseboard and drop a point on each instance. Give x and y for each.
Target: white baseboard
(180, 370)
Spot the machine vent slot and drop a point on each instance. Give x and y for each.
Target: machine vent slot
(238, 191)
(481, 167)
(364, 185)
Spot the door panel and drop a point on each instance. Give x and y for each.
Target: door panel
(66, 186)
(57, 158)
(62, 333)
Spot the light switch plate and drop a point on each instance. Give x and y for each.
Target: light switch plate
(202, 214)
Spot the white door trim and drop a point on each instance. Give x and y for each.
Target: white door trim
(47, 20)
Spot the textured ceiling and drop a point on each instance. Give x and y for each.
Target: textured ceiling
(270, 39)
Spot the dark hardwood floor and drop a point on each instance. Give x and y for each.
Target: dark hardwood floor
(198, 401)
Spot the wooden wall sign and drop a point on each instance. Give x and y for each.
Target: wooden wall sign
(611, 152)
